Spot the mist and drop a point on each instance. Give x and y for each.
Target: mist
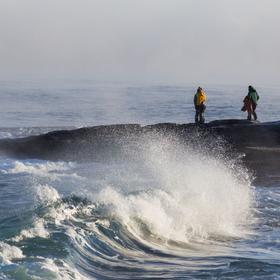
(170, 41)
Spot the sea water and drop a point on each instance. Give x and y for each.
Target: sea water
(177, 213)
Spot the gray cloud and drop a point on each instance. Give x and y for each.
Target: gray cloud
(188, 41)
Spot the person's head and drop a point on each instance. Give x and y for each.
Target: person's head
(199, 89)
(250, 88)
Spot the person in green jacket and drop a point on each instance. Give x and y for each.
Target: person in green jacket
(254, 98)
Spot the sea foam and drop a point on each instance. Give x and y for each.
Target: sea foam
(52, 170)
(8, 253)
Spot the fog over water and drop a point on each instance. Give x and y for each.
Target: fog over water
(146, 206)
(171, 41)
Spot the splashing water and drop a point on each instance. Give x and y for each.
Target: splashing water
(196, 197)
(174, 200)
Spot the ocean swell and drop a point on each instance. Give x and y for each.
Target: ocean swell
(186, 205)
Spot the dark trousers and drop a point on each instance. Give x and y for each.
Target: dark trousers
(253, 112)
(199, 113)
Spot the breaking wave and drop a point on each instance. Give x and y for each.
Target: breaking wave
(186, 204)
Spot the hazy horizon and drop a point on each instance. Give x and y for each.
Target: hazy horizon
(178, 41)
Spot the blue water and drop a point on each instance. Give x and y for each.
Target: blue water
(80, 103)
(173, 215)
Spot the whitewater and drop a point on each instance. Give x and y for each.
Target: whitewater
(176, 212)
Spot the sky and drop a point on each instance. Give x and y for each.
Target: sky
(169, 41)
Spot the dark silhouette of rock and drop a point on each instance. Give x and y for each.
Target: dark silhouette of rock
(259, 142)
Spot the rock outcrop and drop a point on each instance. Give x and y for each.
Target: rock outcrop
(259, 142)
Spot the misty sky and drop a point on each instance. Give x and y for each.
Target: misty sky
(170, 41)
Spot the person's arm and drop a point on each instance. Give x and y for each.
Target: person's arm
(204, 98)
(194, 99)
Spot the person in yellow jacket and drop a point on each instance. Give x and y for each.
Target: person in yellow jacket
(199, 103)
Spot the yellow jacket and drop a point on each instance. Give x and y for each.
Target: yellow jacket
(200, 97)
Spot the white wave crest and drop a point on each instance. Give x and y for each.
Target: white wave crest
(62, 271)
(40, 168)
(52, 170)
(37, 230)
(47, 194)
(197, 196)
(8, 253)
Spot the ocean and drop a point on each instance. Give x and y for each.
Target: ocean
(173, 214)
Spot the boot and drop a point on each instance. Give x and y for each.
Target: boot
(249, 118)
(202, 119)
(255, 116)
(196, 117)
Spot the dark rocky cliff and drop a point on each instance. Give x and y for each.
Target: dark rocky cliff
(259, 142)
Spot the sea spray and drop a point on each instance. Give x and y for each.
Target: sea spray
(197, 196)
(172, 200)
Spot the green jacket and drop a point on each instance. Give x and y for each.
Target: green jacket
(253, 95)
